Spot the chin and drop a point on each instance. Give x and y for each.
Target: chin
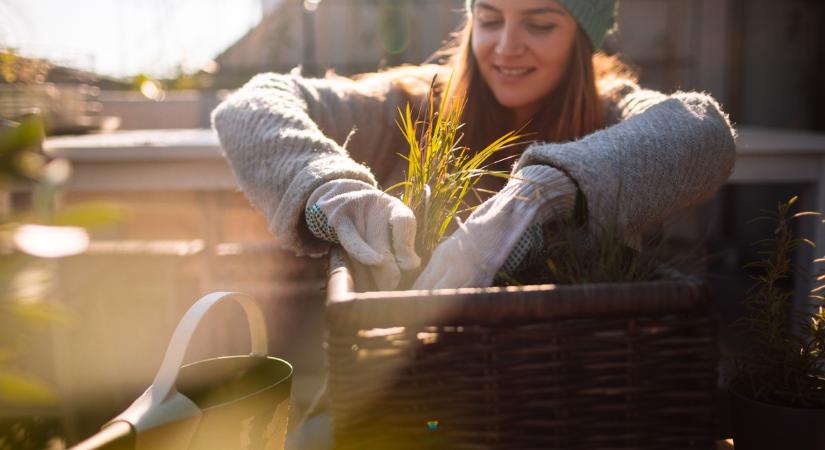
(511, 102)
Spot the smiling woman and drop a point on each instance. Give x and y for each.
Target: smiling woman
(310, 153)
(604, 151)
(538, 62)
(522, 54)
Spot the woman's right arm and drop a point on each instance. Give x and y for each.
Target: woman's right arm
(283, 136)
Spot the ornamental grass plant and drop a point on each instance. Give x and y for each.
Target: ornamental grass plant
(785, 363)
(441, 172)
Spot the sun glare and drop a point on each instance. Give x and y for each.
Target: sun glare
(154, 37)
(51, 242)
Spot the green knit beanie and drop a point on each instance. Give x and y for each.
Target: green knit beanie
(596, 17)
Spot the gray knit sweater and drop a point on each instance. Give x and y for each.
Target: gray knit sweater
(284, 136)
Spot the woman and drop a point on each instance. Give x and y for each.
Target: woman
(607, 151)
(610, 153)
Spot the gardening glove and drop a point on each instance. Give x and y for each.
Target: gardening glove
(472, 255)
(527, 251)
(375, 228)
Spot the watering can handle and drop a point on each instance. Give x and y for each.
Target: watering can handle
(164, 384)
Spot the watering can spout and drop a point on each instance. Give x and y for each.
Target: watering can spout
(154, 411)
(151, 410)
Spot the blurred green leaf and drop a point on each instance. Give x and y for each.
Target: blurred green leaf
(24, 390)
(19, 150)
(23, 136)
(86, 215)
(89, 215)
(36, 312)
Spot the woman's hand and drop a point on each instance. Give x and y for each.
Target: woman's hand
(473, 255)
(375, 228)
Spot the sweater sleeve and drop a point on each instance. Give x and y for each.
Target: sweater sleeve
(284, 135)
(666, 153)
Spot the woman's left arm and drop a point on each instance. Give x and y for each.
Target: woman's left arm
(665, 154)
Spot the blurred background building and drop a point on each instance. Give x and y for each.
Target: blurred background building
(763, 60)
(187, 230)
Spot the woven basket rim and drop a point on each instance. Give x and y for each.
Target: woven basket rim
(497, 305)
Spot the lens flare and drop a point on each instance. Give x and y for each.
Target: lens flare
(51, 242)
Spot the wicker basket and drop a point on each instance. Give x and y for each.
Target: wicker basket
(611, 366)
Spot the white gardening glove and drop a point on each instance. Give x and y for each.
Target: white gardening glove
(472, 255)
(375, 228)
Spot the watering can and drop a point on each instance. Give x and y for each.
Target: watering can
(233, 402)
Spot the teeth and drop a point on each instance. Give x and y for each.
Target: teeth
(513, 72)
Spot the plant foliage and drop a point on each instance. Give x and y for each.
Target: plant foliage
(573, 257)
(781, 367)
(440, 171)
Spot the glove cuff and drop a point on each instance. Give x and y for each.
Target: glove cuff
(336, 187)
(553, 192)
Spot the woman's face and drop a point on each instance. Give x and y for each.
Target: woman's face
(522, 48)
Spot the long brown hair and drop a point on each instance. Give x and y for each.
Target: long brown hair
(573, 110)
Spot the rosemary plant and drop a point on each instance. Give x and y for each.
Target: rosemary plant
(781, 367)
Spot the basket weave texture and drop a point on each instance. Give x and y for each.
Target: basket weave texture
(611, 366)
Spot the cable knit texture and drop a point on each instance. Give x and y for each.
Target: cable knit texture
(596, 17)
(665, 154)
(284, 136)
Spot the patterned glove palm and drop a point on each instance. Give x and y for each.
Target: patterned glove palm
(528, 251)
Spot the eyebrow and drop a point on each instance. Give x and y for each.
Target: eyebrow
(532, 11)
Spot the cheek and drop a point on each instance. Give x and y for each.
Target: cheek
(555, 64)
(560, 55)
(555, 59)
(479, 44)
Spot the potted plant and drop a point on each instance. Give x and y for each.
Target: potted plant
(778, 390)
(603, 363)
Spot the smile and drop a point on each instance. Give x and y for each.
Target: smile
(513, 71)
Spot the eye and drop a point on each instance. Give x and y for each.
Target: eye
(541, 27)
(488, 20)
(489, 23)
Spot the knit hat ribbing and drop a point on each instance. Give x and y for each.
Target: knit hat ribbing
(596, 17)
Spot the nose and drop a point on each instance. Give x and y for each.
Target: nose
(509, 42)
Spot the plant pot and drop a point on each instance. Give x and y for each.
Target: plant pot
(762, 426)
(621, 366)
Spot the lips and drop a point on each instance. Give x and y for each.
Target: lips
(513, 71)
